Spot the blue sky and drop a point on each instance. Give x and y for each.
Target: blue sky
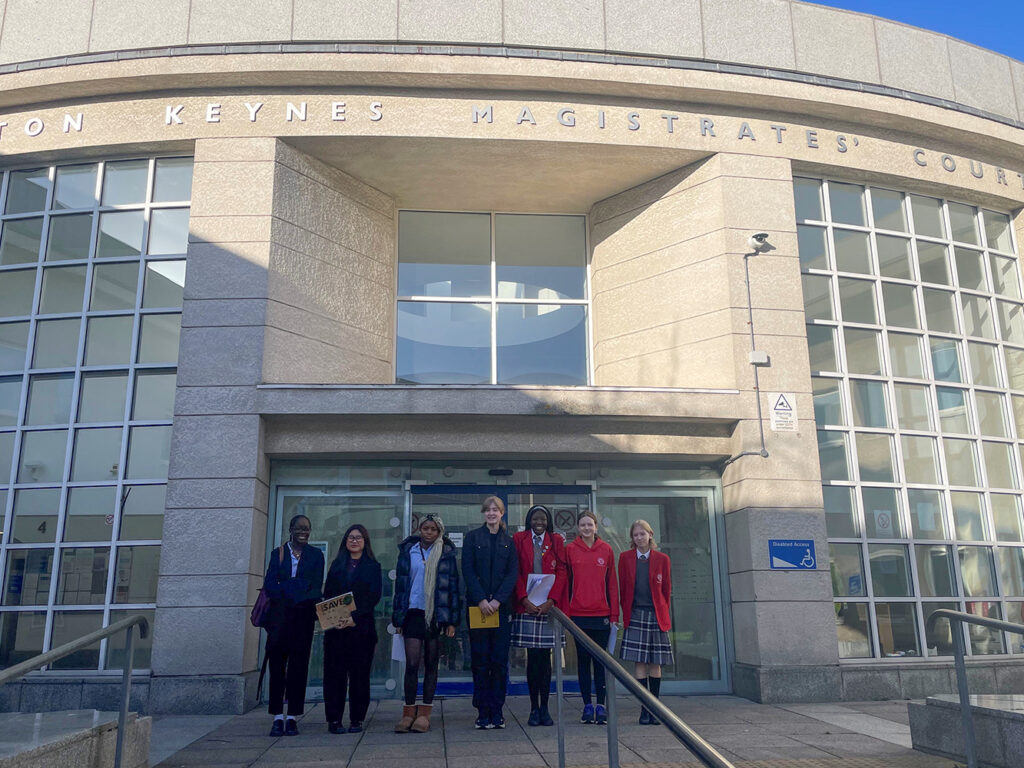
(994, 24)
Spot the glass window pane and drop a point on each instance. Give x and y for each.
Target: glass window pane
(82, 579)
(847, 571)
(76, 187)
(932, 263)
(969, 270)
(154, 395)
(168, 231)
(868, 400)
(997, 231)
(926, 514)
(108, 341)
(21, 636)
(137, 569)
(69, 237)
(540, 257)
(874, 458)
(27, 190)
(1005, 276)
(120, 235)
(149, 450)
(97, 454)
(991, 418)
(173, 180)
(1011, 322)
(935, 570)
(897, 630)
(927, 214)
(900, 305)
(828, 409)
(102, 397)
(985, 641)
(1011, 566)
(912, 407)
(19, 241)
(28, 577)
(13, 345)
(807, 193)
(10, 401)
(853, 252)
(1014, 359)
(440, 343)
(938, 311)
(968, 511)
(998, 465)
(977, 571)
(887, 208)
(857, 299)
(963, 220)
(821, 347)
(63, 289)
(817, 297)
(69, 626)
(1006, 517)
(840, 517)
(920, 462)
(945, 359)
(114, 286)
(961, 467)
(894, 257)
(938, 636)
(444, 254)
(847, 203)
(852, 631)
(165, 283)
(810, 243)
(16, 290)
(890, 570)
(832, 454)
(142, 512)
(6, 455)
(977, 316)
(984, 368)
(905, 356)
(881, 513)
(159, 338)
(142, 648)
(90, 513)
(42, 456)
(35, 515)
(862, 355)
(1018, 414)
(49, 399)
(124, 182)
(56, 343)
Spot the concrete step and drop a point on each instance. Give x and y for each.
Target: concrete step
(82, 738)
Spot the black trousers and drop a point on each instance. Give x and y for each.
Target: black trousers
(585, 662)
(288, 648)
(489, 654)
(348, 658)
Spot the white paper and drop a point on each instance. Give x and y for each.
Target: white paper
(397, 648)
(538, 587)
(612, 637)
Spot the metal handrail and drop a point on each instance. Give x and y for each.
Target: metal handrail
(706, 753)
(127, 624)
(960, 651)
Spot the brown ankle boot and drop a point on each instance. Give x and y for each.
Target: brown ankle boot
(422, 722)
(408, 715)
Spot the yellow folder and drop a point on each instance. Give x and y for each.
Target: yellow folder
(478, 621)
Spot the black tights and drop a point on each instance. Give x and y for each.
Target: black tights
(538, 676)
(414, 650)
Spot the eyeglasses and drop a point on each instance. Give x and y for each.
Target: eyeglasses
(354, 538)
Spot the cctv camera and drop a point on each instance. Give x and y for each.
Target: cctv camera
(758, 242)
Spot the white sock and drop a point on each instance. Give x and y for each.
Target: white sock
(278, 717)
(291, 717)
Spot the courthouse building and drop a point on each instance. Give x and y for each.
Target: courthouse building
(366, 259)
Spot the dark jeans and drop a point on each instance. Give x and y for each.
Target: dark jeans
(348, 658)
(538, 676)
(288, 648)
(584, 661)
(489, 652)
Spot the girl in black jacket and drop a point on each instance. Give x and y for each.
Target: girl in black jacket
(426, 604)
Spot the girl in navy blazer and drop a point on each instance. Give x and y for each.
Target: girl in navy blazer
(348, 651)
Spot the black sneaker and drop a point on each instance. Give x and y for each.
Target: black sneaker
(545, 717)
(335, 726)
(482, 723)
(534, 717)
(277, 729)
(291, 728)
(356, 726)
(497, 721)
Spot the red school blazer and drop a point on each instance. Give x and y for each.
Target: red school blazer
(661, 586)
(552, 560)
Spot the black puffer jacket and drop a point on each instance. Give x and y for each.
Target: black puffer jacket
(447, 599)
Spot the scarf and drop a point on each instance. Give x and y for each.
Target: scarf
(430, 572)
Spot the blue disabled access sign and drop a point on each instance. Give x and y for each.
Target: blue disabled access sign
(791, 554)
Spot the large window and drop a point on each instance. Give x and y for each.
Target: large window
(92, 267)
(916, 340)
(492, 299)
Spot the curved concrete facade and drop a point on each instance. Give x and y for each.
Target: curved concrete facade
(677, 128)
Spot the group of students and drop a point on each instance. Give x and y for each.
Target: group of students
(428, 604)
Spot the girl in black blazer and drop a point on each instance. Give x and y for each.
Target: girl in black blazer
(348, 652)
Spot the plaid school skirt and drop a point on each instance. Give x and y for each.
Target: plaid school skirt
(644, 641)
(530, 631)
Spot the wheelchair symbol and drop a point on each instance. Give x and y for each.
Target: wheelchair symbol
(808, 561)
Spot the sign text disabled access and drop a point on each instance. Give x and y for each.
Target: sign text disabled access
(791, 554)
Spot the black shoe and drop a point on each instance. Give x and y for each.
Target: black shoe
(645, 716)
(497, 721)
(291, 728)
(534, 717)
(652, 720)
(277, 729)
(545, 717)
(483, 722)
(356, 726)
(335, 726)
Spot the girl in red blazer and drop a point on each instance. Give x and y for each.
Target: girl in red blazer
(645, 575)
(593, 605)
(540, 550)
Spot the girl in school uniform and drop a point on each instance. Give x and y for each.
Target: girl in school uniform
(645, 579)
(593, 605)
(540, 550)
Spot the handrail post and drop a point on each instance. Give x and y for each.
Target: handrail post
(126, 688)
(966, 717)
(613, 722)
(559, 654)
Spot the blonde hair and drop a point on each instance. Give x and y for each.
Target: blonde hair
(647, 527)
(499, 504)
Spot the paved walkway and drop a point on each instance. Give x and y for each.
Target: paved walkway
(868, 735)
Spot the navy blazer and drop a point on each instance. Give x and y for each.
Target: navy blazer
(365, 585)
(293, 599)
(486, 578)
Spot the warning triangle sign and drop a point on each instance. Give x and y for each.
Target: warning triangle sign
(782, 404)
